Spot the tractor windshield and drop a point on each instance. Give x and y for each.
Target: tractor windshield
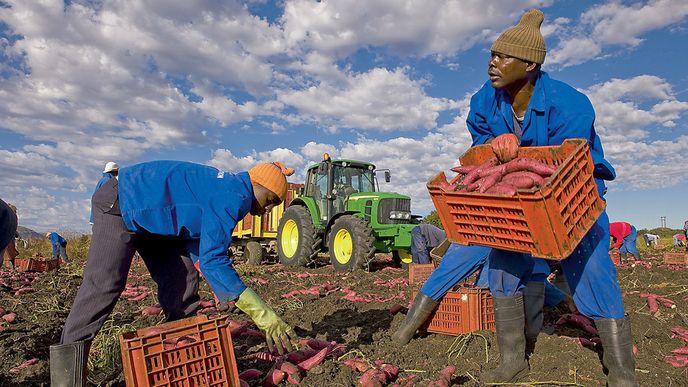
(350, 179)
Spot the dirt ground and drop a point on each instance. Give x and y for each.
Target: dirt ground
(364, 327)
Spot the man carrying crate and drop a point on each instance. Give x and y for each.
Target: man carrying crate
(521, 105)
(173, 213)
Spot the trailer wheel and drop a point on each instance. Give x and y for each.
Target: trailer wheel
(254, 253)
(351, 244)
(297, 241)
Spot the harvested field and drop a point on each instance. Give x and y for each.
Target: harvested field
(363, 325)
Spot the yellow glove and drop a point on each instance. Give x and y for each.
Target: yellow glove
(276, 330)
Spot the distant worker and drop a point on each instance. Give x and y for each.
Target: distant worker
(651, 239)
(679, 240)
(685, 232)
(111, 170)
(59, 246)
(8, 231)
(624, 236)
(424, 238)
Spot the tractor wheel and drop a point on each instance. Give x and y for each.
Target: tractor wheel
(351, 244)
(254, 253)
(297, 241)
(401, 258)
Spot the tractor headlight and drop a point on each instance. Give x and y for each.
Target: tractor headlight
(405, 215)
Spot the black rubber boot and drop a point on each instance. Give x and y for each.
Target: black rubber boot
(510, 323)
(420, 310)
(68, 364)
(617, 356)
(533, 301)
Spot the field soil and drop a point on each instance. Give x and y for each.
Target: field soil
(364, 328)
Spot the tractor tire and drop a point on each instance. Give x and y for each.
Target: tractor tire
(298, 243)
(351, 244)
(254, 253)
(401, 258)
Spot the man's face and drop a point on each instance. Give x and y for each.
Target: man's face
(264, 201)
(505, 71)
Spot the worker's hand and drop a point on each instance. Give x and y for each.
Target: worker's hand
(277, 332)
(505, 147)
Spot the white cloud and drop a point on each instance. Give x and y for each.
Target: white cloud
(225, 160)
(378, 99)
(612, 24)
(411, 27)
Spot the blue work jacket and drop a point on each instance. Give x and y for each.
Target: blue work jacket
(195, 202)
(556, 112)
(106, 176)
(56, 241)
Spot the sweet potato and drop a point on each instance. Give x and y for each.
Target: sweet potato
(151, 310)
(676, 361)
(23, 365)
(253, 333)
(502, 188)
(474, 174)
(292, 371)
(250, 373)
(515, 177)
(300, 355)
(23, 291)
(206, 304)
(529, 164)
(9, 317)
(464, 169)
(372, 378)
(390, 371)
(273, 378)
(681, 333)
(396, 308)
(681, 351)
(357, 364)
(316, 344)
(237, 326)
(313, 361)
(140, 297)
(489, 182)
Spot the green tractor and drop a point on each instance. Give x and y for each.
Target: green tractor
(341, 212)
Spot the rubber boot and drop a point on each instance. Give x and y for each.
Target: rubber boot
(533, 301)
(68, 364)
(510, 323)
(420, 310)
(617, 356)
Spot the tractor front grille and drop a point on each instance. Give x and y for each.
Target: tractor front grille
(389, 205)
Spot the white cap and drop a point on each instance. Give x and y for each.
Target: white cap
(47, 235)
(111, 166)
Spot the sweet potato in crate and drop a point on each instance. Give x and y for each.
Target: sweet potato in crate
(37, 265)
(195, 351)
(466, 309)
(547, 222)
(676, 258)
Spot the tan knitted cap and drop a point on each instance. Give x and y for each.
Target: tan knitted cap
(523, 41)
(272, 176)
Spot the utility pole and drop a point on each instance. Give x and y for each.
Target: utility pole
(662, 220)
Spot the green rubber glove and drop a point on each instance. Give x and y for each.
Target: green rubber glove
(276, 330)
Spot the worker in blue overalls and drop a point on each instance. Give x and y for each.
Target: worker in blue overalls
(59, 245)
(174, 213)
(111, 170)
(458, 263)
(521, 105)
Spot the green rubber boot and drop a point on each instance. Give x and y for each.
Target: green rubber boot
(510, 323)
(68, 364)
(420, 310)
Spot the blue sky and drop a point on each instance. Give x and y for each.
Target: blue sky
(231, 84)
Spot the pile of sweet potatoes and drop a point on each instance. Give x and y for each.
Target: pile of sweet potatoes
(491, 177)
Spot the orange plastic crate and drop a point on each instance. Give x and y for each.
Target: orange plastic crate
(676, 258)
(419, 273)
(547, 222)
(209, 361)
(462, 311)
(37, 265)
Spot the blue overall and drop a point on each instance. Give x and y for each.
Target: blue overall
(57, 241)
(629, 243)
(194, 202)
(424, 238)
(106, 176)
(459, 262)
(556, 112)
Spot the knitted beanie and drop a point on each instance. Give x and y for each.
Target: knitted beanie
(523, 41)
(272, 176)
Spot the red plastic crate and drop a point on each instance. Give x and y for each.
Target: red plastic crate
(676, 258)
(547, 222)
(462, 311)
(37, 265)
(209, 361)
(419, 273)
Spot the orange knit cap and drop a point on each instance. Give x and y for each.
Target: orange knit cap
(272, 176)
